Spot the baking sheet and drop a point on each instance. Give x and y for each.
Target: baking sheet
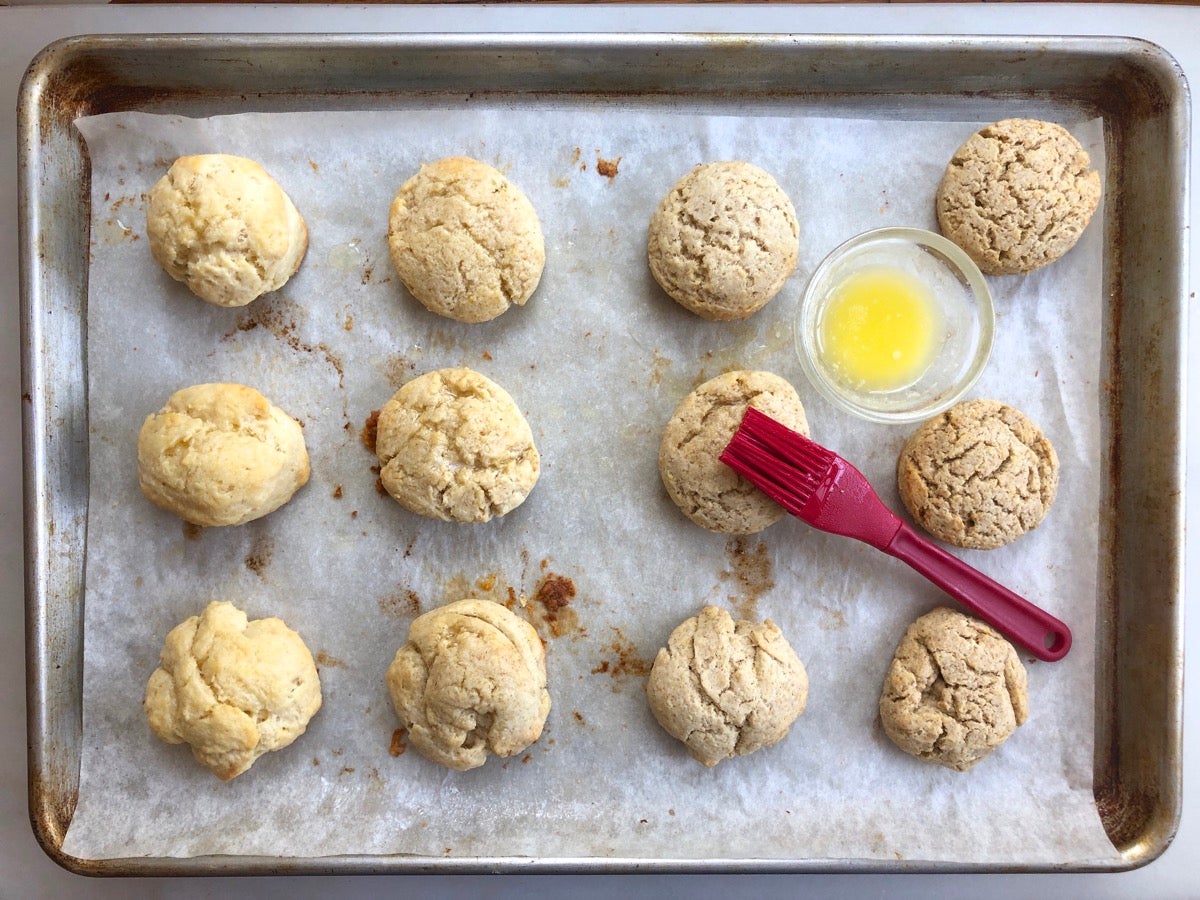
(598, 360)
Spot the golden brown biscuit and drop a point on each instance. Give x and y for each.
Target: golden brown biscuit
(723, 240)
(706, 490)
(955, 690)
(979, 475)
(233, 689)
(221, 225)
(220, 454)
(470, 680)
(453, 445)
(1017, 195)
(465, 241)
(726, 688)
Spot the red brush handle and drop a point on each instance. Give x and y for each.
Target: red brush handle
(1034, 629)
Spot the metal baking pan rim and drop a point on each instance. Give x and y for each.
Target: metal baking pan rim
(1154, 86)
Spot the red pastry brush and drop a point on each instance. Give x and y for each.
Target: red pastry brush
(818, 486)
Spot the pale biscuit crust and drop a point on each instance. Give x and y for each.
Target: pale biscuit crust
(465, 241)
(232, 689)
(1017, 195)
(979, 475)
(471, 680)
(220, 454)
(707, 491)
(954, 692)
(724, 240)
(221, 225)
(453, 445)
(726, 688)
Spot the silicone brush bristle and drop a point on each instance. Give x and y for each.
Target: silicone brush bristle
(786, 466)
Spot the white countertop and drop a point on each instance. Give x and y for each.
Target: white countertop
(26, 872)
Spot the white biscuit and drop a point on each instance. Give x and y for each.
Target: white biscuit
(221, 225)
(220, 454)
(453, 445)
(465, 241)
(232, 689)
(470, 680)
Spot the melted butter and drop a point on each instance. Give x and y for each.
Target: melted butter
(879, 330)
(346, 257)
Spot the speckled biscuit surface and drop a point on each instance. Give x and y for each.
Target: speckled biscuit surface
(724, 240)
(954, 692)
(707, 491)
(726, 688)
(978, 476)
(465, 241)
(453, 445)
(1017, 195)
(470, 680)
(231, 688)
(220, 454)
(222, 225)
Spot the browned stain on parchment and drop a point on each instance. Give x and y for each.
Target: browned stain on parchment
(608, 167)
(491, 586)
(259, 558)
(277, 316)
(397, 369)
(621, 660)
(400, 604)
(830, 619)
(550, 612)
(397, 745)
(750, 571)
(370, 431)
(658, 368)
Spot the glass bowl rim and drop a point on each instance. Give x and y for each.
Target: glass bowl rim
(953, 256)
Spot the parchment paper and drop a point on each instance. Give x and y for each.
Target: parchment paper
(598, 360)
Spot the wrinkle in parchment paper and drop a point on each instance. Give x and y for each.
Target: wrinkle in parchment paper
(597, 360)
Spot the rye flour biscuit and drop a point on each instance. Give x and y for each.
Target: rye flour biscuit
(954, 692)
(465, 241)
(726, 688)
(453, 445)
(707, 491)
(724, 240)
(470, 681)
(979, 475)
(1017, 195)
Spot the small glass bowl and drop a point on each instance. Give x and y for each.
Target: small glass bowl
(960, 351)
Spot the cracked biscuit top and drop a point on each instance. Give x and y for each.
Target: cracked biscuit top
(1017, 195)
(453, 445)
(233, 689)
(221, 225)
(220, 454)
(726, 688)
(465, 241)
(955, 690)
(979, 475)
(470, 680)
(724, 240)
(707, 491)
